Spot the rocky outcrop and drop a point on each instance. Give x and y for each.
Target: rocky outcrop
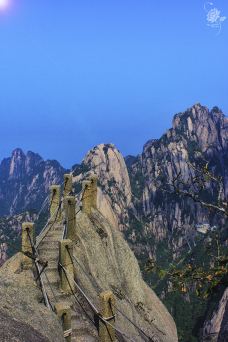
(104, 262)
(111, 264)
(23, 317)
(197, 134)
(114, 195)
(216, 329)
(132, 190)
(25, 180)
(156, 223)
(129, 194)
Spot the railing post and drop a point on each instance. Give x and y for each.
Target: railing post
(64, 313)
(89, 198)
(68, 182)
(70, 216)
(55, 193)
(106, 331)
(65, 259)
(27, 228)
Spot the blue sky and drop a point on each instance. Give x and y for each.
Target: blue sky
(74, 74)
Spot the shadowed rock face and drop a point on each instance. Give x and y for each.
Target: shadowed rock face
(25, 180)
(153, 221)
(196, 134)
(15, 331)
(216, 329)
(129, 195)
(23, 318)
(108, 263)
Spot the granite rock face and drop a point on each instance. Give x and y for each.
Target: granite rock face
(109, 264)
(196, 134)
(25, 180)
(153, 221)
(129, 193)
(216, 329)
(114, 195)
(104, 262)
(23, 317)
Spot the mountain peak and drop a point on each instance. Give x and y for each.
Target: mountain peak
(17, 152)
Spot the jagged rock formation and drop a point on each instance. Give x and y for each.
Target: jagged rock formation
(25, 181)
(159, 225)
(23, 317)
(129, 194)
(117, 269)
(106, 262)
(196, 133)
(114, 196)
(156, 224)
(216, 329)
(141, 209)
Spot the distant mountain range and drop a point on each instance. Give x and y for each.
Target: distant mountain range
(158, 224)
(25, 181)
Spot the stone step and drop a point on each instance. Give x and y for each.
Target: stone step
(48, 249)
(49, 242)
(82, 334)
(52, 267)
(77, 320)
(65, 297)
(55, 283)
(53, 264)
(52, 233)
(51, 247)
(57, 231)
(51, 256)
(57, 236)
(51, 228)
(52, 275)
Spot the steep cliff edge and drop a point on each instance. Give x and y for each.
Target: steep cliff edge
(105, 255)
(114, 195)
(196, 134)
(216, 328)
(106, 263)
(158, 226)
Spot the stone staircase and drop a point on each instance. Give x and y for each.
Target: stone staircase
(48, 250)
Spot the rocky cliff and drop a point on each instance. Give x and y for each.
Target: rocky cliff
(132, 190)
(104, 262)
(132, 193)
(114, 193)
(23, 317)
(216, 328)
(197, 134)
(161, 225)
(25, 181)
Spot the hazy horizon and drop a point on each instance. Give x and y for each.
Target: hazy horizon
(73, 75)
(79, 161)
